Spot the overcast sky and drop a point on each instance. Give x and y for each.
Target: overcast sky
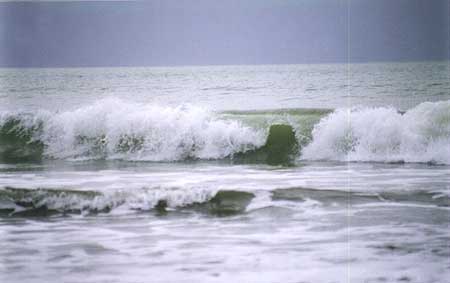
(205, 32)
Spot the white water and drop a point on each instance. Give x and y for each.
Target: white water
(343, 222)
(115, 129)
(324, 238)
(422, 134)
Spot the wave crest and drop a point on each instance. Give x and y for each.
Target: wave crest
(113, 129)
(422, 134)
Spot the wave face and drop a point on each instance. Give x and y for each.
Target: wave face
(17, 138)
(421, 134)
(113, 129)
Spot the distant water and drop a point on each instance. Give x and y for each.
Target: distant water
(292, 173)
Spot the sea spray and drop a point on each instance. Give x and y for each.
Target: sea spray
(113, 129)
(422, 134)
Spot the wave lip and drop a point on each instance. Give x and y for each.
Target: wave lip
(421, 134)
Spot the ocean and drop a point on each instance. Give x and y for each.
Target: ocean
(271, 173)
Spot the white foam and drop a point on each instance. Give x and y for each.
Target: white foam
(422, 134)
(115, 129)
(134, 199)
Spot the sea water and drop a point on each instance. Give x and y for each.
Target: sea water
(278, 173)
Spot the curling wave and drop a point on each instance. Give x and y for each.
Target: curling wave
(113, 129)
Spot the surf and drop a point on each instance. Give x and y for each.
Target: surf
(383, 134)
(47, 202)
(119, 130)
(116, 130)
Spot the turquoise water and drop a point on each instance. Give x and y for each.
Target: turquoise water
(293, 173)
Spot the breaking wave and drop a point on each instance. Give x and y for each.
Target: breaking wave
(42, 202)
(114, 129)
(29, 202)
(421, 134)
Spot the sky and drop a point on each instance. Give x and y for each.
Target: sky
(219, 32)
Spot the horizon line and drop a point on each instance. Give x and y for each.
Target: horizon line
(230, 65)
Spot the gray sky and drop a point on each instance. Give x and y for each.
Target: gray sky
(204, 32)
